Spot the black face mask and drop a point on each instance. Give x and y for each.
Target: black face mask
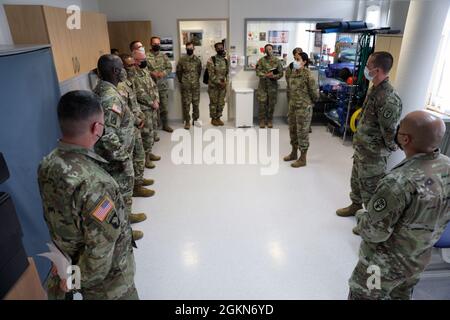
(396, 138)
(190, 52)
(143, 64)
(156, 48)
(221, 52)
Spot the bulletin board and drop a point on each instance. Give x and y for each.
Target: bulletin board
(284, 34)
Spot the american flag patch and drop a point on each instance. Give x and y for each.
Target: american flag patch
(117, 109)
(103, 209)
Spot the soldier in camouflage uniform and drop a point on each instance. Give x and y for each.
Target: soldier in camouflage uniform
(148, 98)
(189, 70)
(160, 68)
(126, 88)
(269, 70)
(374, 140)
(406, 216)
(218, 72)
(84, 208)
(117, 144)
(303, 92)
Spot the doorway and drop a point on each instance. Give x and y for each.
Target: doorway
(204, 33)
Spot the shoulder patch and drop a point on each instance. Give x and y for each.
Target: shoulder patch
(380, 204)
(103, 209)
(116, 108)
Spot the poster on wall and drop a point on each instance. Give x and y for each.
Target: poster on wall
(277, 50)
(167, 46)
(262, 36)
(318, 39)
(196, 37)
(278, 36)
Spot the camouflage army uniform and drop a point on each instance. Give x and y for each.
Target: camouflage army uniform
(74, 188)
(189, 70)
(146, 93)
(374, 140)
(160, 62)
(117, 144)
(303, 92)
(126, 89)
(218, 72)
(406, 217)
(267, 92)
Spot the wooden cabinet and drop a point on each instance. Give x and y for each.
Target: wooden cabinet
(392, 44)
(75, 51)
(122, 33)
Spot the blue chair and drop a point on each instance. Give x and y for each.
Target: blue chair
(444, 242)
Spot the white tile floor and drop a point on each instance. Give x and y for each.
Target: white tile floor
(227, 232)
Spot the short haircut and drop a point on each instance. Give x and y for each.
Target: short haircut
(106, 65)
(153, 38)
(268, 45)
(133, 43)
(125, 56)
(190, 43)
(297, 50)
(217, 44)
(383, 60)
(75, 109)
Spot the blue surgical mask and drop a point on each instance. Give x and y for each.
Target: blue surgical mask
(367, 74)
(296, 65)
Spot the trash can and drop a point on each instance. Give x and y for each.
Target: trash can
(244, 107)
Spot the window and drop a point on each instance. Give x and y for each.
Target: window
(439, 97)
(373, 16)
(284, 35)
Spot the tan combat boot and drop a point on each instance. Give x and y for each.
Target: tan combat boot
(167, 128)
(262, 124)
(220, 122)
(270, 124)
(154, 158)
(349, 211)
(355, 231)
(137, 235)
(157, 139)
(214, 122)
(137, 217)
(293, 156)
(147, 182)
(142, 192)
(301, 162)
(187, 125)
(149, 163)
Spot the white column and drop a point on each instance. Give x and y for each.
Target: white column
(426, 19)
(398, 12)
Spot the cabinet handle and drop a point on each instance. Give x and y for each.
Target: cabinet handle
(78, 65)
(74, 65)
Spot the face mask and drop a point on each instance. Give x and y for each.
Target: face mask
(396, 138)
(221, 52)
(367, 74)
(296, 65)
(123, 75)
(156, 47)
(190, 52)
(142, 49)
(143, 64)
(269, 54)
